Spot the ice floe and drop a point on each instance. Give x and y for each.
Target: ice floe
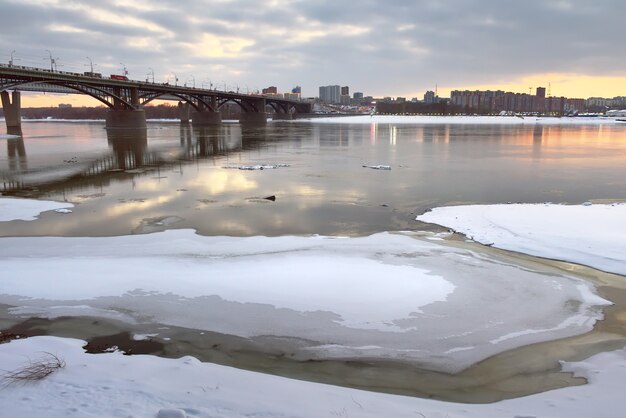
(588, 234)
(387, 295)
(27, 209)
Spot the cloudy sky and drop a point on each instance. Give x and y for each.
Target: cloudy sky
(381, 48)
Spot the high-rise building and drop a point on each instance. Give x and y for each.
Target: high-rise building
(429, 97)
(357, 95)
(330, 94)
(297, 90)
(345, 91)
(541, 92)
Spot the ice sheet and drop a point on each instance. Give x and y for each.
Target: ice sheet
(463, 120)
(395, 292)
(592, 235)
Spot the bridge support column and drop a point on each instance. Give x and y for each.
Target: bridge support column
(184, 112)
(126, 119)
(12, 109)
(282, 116)
(254, 118)
(206, 118)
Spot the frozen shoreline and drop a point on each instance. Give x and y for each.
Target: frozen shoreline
(116, 385)
(462, 120)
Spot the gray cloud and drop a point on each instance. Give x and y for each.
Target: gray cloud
(379, 47)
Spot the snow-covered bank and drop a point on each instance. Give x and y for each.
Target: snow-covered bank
(26, 209)
(463, 120)
(383, 296)
(592, 235)
(114, 385)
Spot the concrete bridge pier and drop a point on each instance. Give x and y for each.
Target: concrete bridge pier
(11, 105)
(282, 116)
(206, 118)
(126, 119)
(253, 118)
(184, 112)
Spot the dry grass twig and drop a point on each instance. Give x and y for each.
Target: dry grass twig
(33, 371)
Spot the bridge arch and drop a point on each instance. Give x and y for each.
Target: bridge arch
(186, 98)
(85, 89)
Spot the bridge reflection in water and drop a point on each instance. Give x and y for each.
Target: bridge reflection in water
(131, 154)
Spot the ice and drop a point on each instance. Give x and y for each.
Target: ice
(393, 296)
(256, 166)
(8, 136)
(461, 120)
(592, 235)
(26, 209)
(378, 167)
(114, 385)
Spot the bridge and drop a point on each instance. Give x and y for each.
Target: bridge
(126, 98)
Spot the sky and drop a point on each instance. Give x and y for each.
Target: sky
(381, 48)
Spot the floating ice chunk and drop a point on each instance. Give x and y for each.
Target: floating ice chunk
(63, 210)
(378, 167)
(256, 166)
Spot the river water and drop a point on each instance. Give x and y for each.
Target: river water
(317, 179)
(174, 176)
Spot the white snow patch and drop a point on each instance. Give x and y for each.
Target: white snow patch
(592, 235)
(8, 136)
(393, 291)
(26, 209)
(461, 120)
(114, 385)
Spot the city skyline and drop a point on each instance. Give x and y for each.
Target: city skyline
(383, 49)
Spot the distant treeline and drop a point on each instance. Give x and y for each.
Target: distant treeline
(152, 112)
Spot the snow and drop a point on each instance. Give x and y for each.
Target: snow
(462, 120)
(8, 136)
(27, 209)
(387, 295)
(114, 385)
(592, 235)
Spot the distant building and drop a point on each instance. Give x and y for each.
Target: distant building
(270, 90)
(429, 97)
(357, 96)
(400, 99)
(345, 99)
(330, 94)
(292, 96)
(297, 90)
(345, 91)
(487, 101)
(541, 92)
(65, 106)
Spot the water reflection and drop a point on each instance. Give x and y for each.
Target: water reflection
(177, 170)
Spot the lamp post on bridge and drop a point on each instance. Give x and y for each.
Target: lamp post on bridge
(193, 79)
(90, 65)
(150, 73)
(53, 61)
(11, 60)
(124, 70)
